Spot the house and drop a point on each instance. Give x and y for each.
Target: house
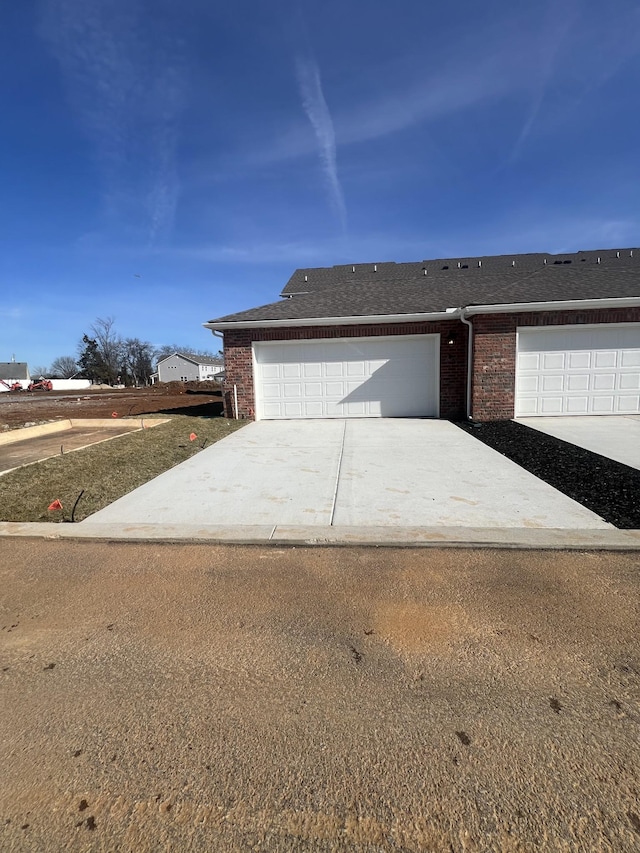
(186, 367)
(12, 372)
(487, 338)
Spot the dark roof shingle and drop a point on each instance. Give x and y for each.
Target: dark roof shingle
(406, 289)
(14, 370)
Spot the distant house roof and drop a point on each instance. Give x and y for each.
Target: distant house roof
(438, 286)
(14, 370)
(196, 359)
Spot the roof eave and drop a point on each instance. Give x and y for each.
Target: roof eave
(449, 314)
(180, 355)
(361, 320)
(560, 305)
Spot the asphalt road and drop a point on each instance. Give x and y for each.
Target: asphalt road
(165, 697)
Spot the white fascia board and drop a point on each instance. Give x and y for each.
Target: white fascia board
(334, 321)
(565, 305)
(447, 314)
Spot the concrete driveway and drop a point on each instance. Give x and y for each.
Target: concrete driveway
(349, 473)
(617, 438)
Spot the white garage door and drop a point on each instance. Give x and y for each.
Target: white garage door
(578, 370)
(348, 378)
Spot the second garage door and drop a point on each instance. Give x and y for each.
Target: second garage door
(348, 378)
(578, 370)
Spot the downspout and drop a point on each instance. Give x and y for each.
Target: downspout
(468, 413)
(235, 389)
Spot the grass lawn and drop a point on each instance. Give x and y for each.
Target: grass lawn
(105, 471)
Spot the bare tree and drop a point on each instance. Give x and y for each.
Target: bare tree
(64, 367)
(39, 370)
(137, 360)
(110, 346)
(169, 349)
(100, 354)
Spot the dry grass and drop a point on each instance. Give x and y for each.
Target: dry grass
(106, 471)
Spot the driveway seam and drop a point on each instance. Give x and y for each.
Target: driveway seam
(335, 491)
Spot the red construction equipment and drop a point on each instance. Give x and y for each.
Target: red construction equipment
(41, 385)
(15, 386)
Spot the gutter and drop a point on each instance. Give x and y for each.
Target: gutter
(448, 314)
(468, 404)
(564, 305)
(332, 321)
(461, 314)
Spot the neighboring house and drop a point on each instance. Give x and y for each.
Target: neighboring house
(185, 367)
(13, 371)
(486, 338)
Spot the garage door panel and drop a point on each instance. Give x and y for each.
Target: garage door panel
(604, 405)
(629, 381)
(578, 370)
(292, 409)
(366, 377)
(356, 368)
(291, 371)
(628, 403)
(529, 407)
(528, 383)
(604, 382)
(553, 361)
(271, 391)
(529, 360)
(552, 383)
(630, 358)
(271, 371)
(333, 368)
(605, 359)
(312, 370)
(292, 389)
(577, 382)
(313, 409)
(550, 405)
(579, 360)
(573, 406)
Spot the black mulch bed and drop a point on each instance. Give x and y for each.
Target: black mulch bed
(608, 488)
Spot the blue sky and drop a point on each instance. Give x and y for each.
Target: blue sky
(169, 161)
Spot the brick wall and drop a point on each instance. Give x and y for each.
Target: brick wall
(494, 353)
(493, 385)
(453, 359)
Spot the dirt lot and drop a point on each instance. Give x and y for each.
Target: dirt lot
(207, 698)
(17, 409)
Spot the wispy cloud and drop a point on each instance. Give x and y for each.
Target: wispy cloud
(560, 21)
(317, 110)
(125, 81)
(519, 62)
(423, 93)
(528, 231)
(322, 251)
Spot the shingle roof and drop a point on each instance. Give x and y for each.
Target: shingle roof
(198, 359)
(13, 370)
(203, 359)
(507, 266)
(406, 289)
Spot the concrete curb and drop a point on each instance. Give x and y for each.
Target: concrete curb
(13, 436)
(398, 537)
